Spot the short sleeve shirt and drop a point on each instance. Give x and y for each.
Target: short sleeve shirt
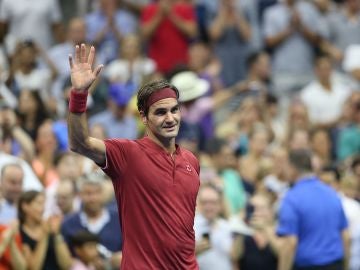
(313, 213)
(156, 196)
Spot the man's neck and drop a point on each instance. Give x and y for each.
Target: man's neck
(304, 176)
(167, 144)
(326, 84)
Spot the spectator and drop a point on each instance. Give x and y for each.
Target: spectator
(212, 233)
(43, 245)
(11, 255)
(345, 25)
(197, 107)
(254, 160)
(12, 177)
(46, 148)
(277, 180)
(170, 22)
(223, 160)
(326, 96)
(20, 18)
(107, 26)
(75, 35)
(61, 197)
(15, 140)
(203, 61)
(231, 32)
(349, 140)
(30, 179)
(116, 119)
(32, 112)
(321, 146)
(311, 238)
(131, 65)
(85, 249)
(97, 219)
(26, 74)
(331, 176)
(65, 197)
(299, 139)
(289, 31)
(259, 250)
(257, 81)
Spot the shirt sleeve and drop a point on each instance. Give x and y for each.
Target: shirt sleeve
(115, 157)
(270, 28)
(288, 219)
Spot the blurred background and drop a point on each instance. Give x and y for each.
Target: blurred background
(257, 79)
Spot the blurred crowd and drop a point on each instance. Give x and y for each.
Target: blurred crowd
(258, 79)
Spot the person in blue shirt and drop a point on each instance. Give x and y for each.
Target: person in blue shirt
(312, 225)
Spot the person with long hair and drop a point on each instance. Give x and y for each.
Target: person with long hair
(43, 245)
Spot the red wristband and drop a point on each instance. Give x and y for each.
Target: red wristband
(77, 103)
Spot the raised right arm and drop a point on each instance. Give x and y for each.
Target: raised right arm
(82, 77)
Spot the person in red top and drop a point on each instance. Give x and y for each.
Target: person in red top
(168, 26)
(156, 181)
(11, 256)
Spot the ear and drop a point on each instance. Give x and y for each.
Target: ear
(143, 117)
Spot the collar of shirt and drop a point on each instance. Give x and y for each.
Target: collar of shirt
(154, 147)
(306, 178)
(98, 225)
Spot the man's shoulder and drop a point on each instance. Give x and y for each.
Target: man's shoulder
(188, 154)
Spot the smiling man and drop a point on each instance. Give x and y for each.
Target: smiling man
(156, 181)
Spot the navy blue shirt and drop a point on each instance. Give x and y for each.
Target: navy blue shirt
(109, 235)
(312, 211)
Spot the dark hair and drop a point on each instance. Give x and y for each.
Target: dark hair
(148, 89)
(301, 160)
(321, 56)
(82, 237)
(26, 198)
(251, 60)
(332, 169)
(41, 113)
(214, 145)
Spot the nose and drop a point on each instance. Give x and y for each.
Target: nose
(169, 117)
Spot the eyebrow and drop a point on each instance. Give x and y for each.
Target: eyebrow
(165, 109)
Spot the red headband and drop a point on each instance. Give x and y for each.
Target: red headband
(161, 94)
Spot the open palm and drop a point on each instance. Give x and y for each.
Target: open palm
(82, 75)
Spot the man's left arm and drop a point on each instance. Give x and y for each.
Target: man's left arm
(286, 253)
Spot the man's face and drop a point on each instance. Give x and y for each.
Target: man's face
(65, 196)
(323, 69)
(163, 119)
(92, 199)
(12, 183)
(210, 203)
